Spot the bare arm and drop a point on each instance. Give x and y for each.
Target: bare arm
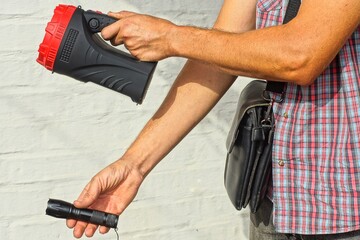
(200, 85)
(296, 52)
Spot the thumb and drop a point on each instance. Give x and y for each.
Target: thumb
(89, 195)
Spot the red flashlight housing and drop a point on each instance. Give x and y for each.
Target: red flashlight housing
(55, 31)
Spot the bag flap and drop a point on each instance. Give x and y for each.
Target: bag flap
(251, 96)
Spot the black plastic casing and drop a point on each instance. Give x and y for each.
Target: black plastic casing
(85, 56)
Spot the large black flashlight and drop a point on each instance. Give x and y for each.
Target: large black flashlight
(62, 209)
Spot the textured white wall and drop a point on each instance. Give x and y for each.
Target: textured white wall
(56, 133)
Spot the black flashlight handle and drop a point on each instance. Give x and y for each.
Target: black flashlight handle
(95, 217)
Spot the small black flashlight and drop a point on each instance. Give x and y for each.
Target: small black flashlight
(62, 209)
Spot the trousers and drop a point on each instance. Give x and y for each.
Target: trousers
(262, 228)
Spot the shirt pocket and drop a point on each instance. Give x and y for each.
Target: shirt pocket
(269, 13)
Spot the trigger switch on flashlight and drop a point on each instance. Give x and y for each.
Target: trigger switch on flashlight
(94, 23)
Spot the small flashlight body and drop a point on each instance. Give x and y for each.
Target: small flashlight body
(61, 209)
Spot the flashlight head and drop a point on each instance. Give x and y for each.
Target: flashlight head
(58, 208)
(55, 32)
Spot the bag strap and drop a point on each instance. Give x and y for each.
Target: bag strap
(291, 12)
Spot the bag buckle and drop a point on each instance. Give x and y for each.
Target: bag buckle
(266, 96)
(267, 118)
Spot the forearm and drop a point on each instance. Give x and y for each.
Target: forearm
(296, 52)
(256, 54)
(196, 90)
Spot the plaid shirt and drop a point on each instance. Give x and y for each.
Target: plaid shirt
(316, 153)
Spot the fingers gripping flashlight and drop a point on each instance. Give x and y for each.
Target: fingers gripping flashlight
(62, 209)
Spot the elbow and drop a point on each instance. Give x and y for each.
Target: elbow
(303, 76)
(302, 61)
(302, 70)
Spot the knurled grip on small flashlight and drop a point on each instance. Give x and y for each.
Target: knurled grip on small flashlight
(104, 219)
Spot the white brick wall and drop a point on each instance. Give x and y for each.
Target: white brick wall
(56, 133)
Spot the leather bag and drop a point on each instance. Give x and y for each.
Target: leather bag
(249, 143)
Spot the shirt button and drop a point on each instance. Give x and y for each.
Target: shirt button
(281, 163)
(286, 115)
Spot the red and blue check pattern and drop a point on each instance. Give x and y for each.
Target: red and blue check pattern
(316, 153)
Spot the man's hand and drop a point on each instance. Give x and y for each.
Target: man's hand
(111, 190)
(147, 38)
